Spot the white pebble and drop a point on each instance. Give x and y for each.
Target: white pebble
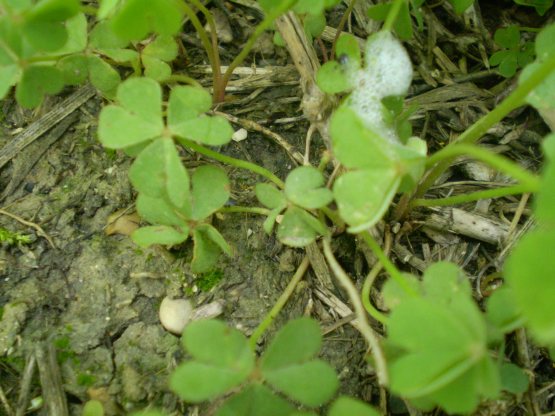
(175, 314)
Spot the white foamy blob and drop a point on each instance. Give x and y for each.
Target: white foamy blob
(388, 71)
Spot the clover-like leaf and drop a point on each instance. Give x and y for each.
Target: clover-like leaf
(105, 78)
(186, 103)
(210, 130)
(210, 191)
(255, 400)
(513, 379)
(37, 81)
(304, 186)
(135, 19)
(155, 55)
(403, 23)
(529, 272)
(363, 196)
(214, 235)
(298, 228)
(545, 200)
(544, 42)
(354, 145)
(349, 406)
(138, 117)
(333, 77)
(44, 26)
(347, 46)
(9, 75)
(206, 251)
(312, 383)
(452, 356)
(74, 69)
(158, 171)
(270, 196)
(222, 360)
(76, 28)
(159, 234)
(503, 312)
(298, 341)
(158, 211)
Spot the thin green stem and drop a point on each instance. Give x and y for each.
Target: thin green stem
(363, 325)
(365, 294)
(474, 196)
(258, 31)
(333, 215)
(478, 129)
(387, 264)
(247, 210)
(392, 15)
(217, 74)
(201, 33)
(232, 161)
(182, 78)
(278, 306)
(496, 161)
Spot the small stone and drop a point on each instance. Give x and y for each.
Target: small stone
(175, 314)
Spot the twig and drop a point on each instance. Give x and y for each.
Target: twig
(51, 380)
(37, 227)
(280, 303)
(5, 403)
(295, 156)
(364, 326)
(25, 386)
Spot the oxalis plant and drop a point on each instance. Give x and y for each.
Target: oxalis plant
(440, 348)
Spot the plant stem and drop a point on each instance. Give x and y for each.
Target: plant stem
(387, 264)
(499, 162)
(248, 210)
(392, 15)
(232, 161)
(258, 31)
(478, 129)
(182, 78)
(269, 318)
(369, 281)
(333, 215)
(364, 326)
(474, 196)
(217, 72)
(202, 35)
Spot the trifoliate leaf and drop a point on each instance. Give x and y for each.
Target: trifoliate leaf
(214, 235)
(347, 46)
(206, 251)
(158, 211)
(44, 26)
(103, 77)
(298, 228)
(36, 82)
(297, 342)
(513, 379)
(138, 117)
(349, 406)
(222, 360)
(158, 171)
(210, 191)
(135, 19)
(270, 196)
(312, 383)
(9, 75)
(529, 272)
(74, 69)
(333, 77)
(304, 186)
(186, 103)
(159, 234)
(363, 196)
(255, 400)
